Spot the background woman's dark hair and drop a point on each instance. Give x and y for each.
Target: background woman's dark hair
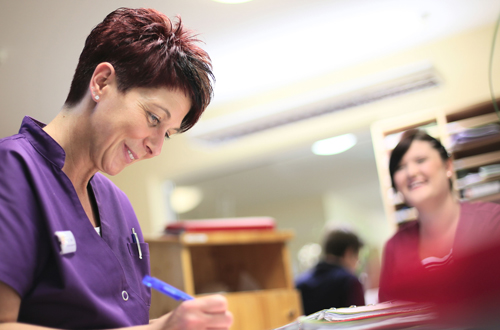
(338, 241)
(404, 144)
(147, 50)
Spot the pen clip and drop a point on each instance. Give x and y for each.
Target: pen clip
(135, 239)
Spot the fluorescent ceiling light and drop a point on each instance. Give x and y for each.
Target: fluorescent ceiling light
(334, 145)
(232, 1)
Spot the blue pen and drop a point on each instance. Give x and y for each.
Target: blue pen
(165, 288)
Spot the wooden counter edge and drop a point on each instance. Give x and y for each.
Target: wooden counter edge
(225, 237)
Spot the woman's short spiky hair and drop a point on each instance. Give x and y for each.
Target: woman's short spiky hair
(147, 50)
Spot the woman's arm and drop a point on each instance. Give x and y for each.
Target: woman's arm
(209, 312)
(9, 305)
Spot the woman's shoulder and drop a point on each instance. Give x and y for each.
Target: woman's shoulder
(479, 226)
(405, 233)
(13, 144)
(480, 217)
(18, 155)
(408, 228)
(479, 207)
(479, 211)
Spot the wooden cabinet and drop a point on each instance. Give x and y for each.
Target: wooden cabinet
(251, 268)
(472, 157)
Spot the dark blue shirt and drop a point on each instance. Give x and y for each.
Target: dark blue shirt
(329, 285)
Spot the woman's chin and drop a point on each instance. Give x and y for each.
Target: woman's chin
(113, 170)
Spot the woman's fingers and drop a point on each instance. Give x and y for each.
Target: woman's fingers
(213, 303)
(206, 313)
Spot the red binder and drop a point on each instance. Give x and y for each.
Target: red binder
(250, 223)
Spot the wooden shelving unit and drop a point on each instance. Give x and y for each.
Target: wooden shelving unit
(251, 268)
(443, 124)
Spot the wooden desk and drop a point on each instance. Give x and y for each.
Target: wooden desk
(251, 268)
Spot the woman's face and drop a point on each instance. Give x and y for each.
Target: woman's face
(422, 175)
(132, 126)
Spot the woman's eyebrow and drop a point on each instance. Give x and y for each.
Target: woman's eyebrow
(164, 109)
(177, 130)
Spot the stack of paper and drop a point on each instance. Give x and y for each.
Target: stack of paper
(489, 170)
(388, 315)
(471, 134)
(480, 190)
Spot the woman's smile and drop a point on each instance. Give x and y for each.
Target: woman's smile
(130, 155)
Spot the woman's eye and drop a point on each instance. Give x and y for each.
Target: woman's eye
(167, 136)
(421, 160)
(155, 120)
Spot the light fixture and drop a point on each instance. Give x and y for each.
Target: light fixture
(232, 1)
(334, 145)
(183, 198)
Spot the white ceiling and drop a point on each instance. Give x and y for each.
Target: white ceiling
(255, 46)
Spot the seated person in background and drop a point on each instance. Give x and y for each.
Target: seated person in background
(446, 255)
(332, 283)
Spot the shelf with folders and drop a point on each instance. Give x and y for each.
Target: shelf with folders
(475, 145)
(480, 183)
(470, 133)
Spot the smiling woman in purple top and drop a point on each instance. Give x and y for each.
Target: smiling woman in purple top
(67, 256)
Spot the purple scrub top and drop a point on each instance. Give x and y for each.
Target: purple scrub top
(96, 286)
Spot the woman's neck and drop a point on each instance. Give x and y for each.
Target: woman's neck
(438, 227)
(439, 217)
(69, 129)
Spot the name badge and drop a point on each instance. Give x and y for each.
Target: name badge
(67, 241)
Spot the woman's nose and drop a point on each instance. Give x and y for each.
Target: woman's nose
(154, 145)
(411, 169)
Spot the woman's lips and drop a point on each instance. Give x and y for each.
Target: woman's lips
(129, 155)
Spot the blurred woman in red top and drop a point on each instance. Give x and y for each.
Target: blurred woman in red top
(440, 256)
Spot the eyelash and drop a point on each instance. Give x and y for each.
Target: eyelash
(156, 121)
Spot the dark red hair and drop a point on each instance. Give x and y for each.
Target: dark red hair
(147, 50)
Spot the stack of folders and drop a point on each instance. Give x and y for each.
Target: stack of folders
(382, 316)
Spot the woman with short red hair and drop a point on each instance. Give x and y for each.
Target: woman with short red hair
(72, 252)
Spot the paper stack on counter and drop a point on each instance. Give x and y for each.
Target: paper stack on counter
(387, 315)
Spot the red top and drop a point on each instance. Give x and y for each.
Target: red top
(470, 282)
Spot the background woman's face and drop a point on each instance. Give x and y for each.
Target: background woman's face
(422, 175)
(133, 126)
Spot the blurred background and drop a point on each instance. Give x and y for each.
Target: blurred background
(289, 73)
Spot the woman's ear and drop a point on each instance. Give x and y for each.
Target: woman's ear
(449, 172)
(103, 77)
(449, 166)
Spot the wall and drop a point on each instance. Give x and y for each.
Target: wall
(461, 60)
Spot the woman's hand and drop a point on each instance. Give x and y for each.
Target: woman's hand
(10, 303)
(204, 313)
